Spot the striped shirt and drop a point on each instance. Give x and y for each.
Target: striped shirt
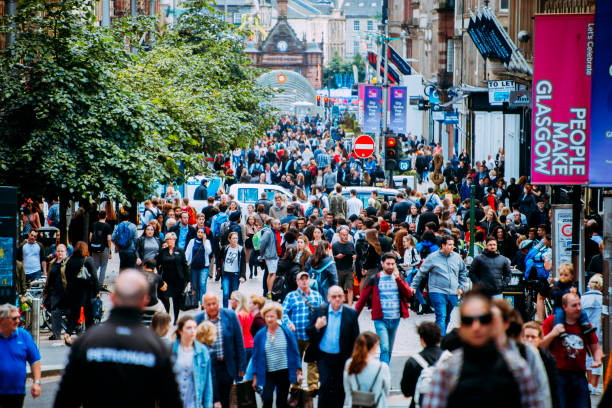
(276, 350)
(389, 297)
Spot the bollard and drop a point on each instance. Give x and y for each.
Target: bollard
(36, 320)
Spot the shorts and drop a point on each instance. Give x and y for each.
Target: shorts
(345, 279)
(272, 265)
(589, 363)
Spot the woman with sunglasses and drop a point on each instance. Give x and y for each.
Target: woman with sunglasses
(173, 268)
(459, 379)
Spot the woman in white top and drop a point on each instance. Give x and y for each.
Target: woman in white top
(365, 372)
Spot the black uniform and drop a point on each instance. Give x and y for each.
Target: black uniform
(120, 363)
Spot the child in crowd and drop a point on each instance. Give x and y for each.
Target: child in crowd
(566, 284)
(160, 324)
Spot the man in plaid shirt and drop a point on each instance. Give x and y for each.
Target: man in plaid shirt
(480, 375)
(297, 309)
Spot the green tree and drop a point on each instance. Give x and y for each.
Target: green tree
(337, 65)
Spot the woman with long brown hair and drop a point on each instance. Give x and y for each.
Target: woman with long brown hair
(303, 252)
(80, 290)
(365, 372)
(322, 269)
(368, 256)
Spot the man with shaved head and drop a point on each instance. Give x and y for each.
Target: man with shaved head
(120, 362)
(332, 331)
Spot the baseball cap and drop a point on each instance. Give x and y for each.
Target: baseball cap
(300, 274)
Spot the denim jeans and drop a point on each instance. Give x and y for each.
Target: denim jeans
(418, 293)
(560, 317)
(573, 390)
(199, 278)
(386, 330)
(33, 276)
(101, 261)
(443, 306)
(229, 282)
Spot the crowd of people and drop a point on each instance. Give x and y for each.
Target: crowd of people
(316, 255)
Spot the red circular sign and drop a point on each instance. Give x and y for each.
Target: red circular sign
(364, 146)
(566, 230)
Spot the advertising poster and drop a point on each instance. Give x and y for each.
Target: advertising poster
(397, 107)
(600, 157)
(6, 261)
(562, 98)
(372, 109)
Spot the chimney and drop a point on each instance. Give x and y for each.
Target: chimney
(282, 9)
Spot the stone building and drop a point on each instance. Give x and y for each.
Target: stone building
(282, 49)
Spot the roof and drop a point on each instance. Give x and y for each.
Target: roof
(361, 8)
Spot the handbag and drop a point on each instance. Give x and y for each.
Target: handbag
(242, 395)
(299, 398)
(189, 299)
(365, 399)
(83, 273)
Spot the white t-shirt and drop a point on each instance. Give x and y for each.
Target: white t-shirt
(353, 206)
(231, 260)
(31, 258)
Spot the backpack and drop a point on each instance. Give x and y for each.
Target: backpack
(123, 235)
(335, 203)
(217, 222)
(279, 288)
(97, 239)
(365, 399)
(425, 381)
(257, 240)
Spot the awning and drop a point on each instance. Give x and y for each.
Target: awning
(493, 42)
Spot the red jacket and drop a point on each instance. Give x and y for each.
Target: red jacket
(371, 289)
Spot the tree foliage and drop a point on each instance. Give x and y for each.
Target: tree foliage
(338, 65)
(82, 114)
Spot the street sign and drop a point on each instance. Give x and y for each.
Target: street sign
(499, 91)
(403, 165)
(451, 118)
(364, 146)
(562, 238)
(520, 99)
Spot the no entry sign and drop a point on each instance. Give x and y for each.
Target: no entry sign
(364, 146)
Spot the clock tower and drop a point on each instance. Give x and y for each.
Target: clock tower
(282, 49)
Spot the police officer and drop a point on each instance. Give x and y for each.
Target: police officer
(120, 363)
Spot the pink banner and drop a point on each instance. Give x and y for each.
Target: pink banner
(563, 65)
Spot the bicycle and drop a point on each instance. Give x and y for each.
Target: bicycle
(531, 289)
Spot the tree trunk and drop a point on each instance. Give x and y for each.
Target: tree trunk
(134, 211)
(85, 230)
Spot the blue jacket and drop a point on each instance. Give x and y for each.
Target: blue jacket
(233, 345)
(202, 378)
(259, 355)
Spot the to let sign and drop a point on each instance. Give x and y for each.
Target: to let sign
(364, 146)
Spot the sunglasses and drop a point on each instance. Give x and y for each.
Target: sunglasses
(483, 319)
(16, 318)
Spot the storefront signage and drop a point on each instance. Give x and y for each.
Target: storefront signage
(499, 91)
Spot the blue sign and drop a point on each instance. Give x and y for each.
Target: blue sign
(403, 165)
(451, 118)
(372, 109)
(397, 105)
(600, 159)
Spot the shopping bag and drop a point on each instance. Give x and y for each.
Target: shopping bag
(299, 398)
(243, 395)
(189, 299)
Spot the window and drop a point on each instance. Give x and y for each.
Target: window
(504, 4)
(450, 55)
(355, 47)
(247, 195)
(356, 25)
(237, 18)
(370, 25)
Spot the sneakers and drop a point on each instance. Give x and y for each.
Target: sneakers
(593, 390)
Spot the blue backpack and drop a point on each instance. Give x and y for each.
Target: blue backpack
(123, 235)
(217, 222)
